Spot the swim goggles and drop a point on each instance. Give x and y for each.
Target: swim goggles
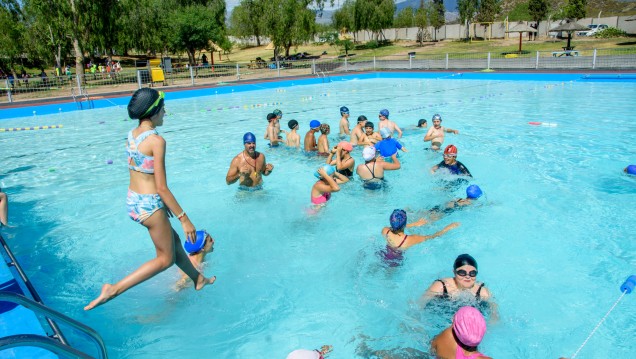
(463, 273)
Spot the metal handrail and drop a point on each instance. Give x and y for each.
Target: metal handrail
(57, 333)
(78, 104)
(32, 340)
(44, 310)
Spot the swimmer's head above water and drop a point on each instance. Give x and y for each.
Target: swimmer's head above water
(422, 123)
(473, 191)
(145, 103)
(398, 220)
(344, 111)
(314, 124)
(270, 117)
(368, 153)
(292, 124)
(469, 326)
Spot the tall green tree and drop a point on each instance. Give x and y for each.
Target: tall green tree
(374, 15)
(11, 39)
(143, 26)
(437, 15)
(247, 20)
(575, 9)
(289, 23)
(344, 18)
(192, 27)
(467, 10)
(488, 10)
(404, 18)
(538, 10)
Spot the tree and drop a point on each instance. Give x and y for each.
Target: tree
(11, 41)
(246, 20)
(374, 15)
(194, 26)
(436, 15)
(344, 18)
(488, 10)
(538, 10)
(422, 22)
(404, 18)
(467, 10)
(575, 9)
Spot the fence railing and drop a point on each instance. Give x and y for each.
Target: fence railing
(128, 80)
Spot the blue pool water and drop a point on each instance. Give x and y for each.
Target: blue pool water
(553, 236)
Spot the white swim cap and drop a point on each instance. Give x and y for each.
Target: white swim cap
(368, 153)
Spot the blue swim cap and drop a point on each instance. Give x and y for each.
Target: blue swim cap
(398, 219)
(473, 191)
(328, 168)
(344, 109)
(437, 117)
(314, 124)
(631, 169)
(249, 137)
(384, 113)
(198, 245)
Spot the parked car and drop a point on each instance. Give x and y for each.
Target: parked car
(593, 29)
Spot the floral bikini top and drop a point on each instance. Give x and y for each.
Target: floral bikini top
(138, 161)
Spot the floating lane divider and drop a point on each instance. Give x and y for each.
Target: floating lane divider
(13, 129)
(626, 288)
(544, 124)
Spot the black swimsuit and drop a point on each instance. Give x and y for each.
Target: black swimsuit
(373, 182)
(445, 294)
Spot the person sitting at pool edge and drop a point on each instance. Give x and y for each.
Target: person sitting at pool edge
(4, 208)
(358, 138)
(293, 139)
(373, 137)
(344, 162)
(371, 172)
(451, 164)
(310, 138)
(248, 166)
(326, 184)
(386, 123)
(436, 133)
(388, 146)
(196, 253)
(323, 140)
(344, 123)
(398, 242)
(460, 340)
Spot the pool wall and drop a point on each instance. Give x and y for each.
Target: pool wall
(98, 101)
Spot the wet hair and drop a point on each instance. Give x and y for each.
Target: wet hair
(141, 104)
(369, 124)
(270, 117)
(362, 118)
(324, 128)
(421, 122)
(464, 259)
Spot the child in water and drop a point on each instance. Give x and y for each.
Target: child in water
(196, 253)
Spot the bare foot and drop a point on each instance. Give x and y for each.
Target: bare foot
(181, 284)
(203, 281)
(106, 295)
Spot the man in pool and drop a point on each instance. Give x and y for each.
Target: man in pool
(310, 139)
(249, 166)
(386, 123)
(435, 134)
(451, 164)
(373, 137)
(344, 123)
(357, 135)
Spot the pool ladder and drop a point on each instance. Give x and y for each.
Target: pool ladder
(323, 76)
(56, 342)
(82, 97)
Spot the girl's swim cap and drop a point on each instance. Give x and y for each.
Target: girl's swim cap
(198, 245)
(398, 219)
(345, 146)
(469, 326)
(368, 153)
(473, 191)
(328, 168)
(145, 103)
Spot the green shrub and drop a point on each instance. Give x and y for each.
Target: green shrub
(609, 33)
(372, 44)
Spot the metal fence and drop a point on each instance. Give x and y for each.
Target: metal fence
(93, 85)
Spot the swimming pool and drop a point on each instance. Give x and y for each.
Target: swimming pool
(552, 238)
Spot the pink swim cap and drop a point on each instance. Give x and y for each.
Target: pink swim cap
(469, 326)
(346, 146)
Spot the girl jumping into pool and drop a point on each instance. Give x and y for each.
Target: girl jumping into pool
(150, 201)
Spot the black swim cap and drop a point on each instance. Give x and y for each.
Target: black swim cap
(292, 124)
(270, 117)
(464, 259)
(145, 103)
(362, 118)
